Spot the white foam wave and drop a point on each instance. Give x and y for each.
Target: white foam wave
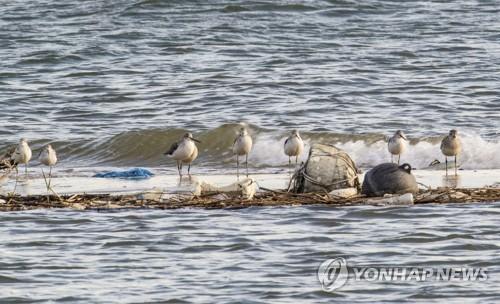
(477, 153)
(268, 150)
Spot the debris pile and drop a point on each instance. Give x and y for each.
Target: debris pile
(218, 199)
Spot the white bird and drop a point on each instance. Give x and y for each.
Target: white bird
(22, 154)
(451, 146)
(48, 157)
(397, 145)
(242, 146)
(184, 151)
(294, 146)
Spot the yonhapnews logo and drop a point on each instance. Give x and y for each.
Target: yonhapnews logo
(333, 274)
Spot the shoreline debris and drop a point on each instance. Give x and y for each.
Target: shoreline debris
(327, 168)
(220, 200)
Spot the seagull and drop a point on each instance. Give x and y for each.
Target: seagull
(294, 146)
(397, 145)
(184, 151)
(48, 157)
(451, 146)
(22, 155)
(242, 146)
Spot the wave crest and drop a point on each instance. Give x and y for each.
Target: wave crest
(146, 148)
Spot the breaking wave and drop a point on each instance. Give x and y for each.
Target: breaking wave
(146, 148)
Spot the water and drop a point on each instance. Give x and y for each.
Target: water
(255, 255)
(114, 83)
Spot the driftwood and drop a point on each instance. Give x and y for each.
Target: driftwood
(230, 200)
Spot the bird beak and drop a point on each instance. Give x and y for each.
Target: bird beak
(194, 139)
(404, 137)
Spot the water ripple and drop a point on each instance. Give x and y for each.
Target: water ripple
(269, 254)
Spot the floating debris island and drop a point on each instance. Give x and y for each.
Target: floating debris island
(219, 200)
(328, 177)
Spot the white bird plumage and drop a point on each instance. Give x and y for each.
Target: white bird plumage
(397, 145)
(184, 151)
(242, 146)
(48, 157)
(451, 146)
(22, 154)
(294, 146)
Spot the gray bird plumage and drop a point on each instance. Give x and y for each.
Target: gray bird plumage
(451, 147)
(172, 149)
(184, 151)
(397, 145)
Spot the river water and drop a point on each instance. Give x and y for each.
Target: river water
(114, 83)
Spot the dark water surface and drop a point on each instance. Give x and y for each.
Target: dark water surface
(114, 83)
(87, 74)
(254, 255)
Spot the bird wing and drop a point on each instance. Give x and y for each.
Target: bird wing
(442, 142)
(172, 149)
(235, 140)
(389, 141)
(15, 152)
(286, 141)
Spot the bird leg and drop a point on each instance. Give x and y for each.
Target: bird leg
(17, 179)
(392, 158)
(46, 185)
(49, 187)
(45, 179)
(446, 164)
(246, 162)
(189, 171)
(179, 169)
(180, 173)
(26, 170)
(50, 176)
(296, 160)
(456, 165)
(399, 158)
(238, 167)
